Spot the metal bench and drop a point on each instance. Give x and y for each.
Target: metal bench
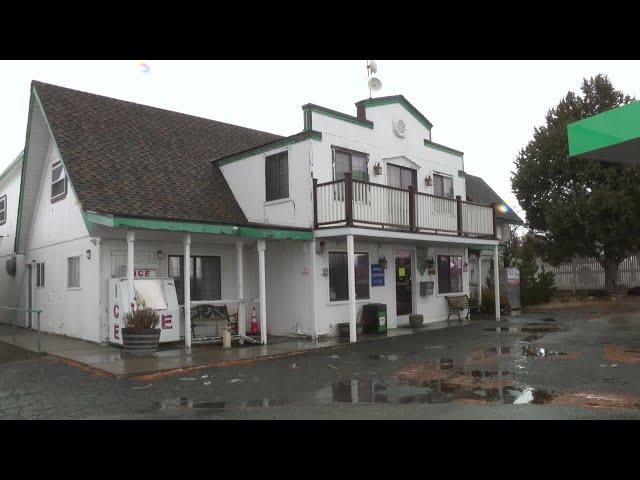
(457, 304)
(218, 315)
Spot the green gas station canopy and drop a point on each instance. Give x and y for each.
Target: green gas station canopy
(612, 136)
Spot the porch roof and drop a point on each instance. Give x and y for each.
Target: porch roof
(247, 231)
(612, 136)
(405, 237)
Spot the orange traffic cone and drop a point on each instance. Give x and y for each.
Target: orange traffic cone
(254, 321)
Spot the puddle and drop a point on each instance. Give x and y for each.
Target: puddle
(540, 328)
(184, 402)
(531, 351)
(392, 358)
(527, 328)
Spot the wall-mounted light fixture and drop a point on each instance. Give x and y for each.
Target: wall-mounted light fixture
(88, 254)
(377, 168)
(382, 261)
(427, 181)
(320, 247)
(159, 254)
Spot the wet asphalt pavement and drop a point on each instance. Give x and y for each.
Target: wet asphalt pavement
(579, 364)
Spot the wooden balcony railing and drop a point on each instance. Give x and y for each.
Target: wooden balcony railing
(353, 202)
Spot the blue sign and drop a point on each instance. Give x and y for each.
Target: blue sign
(377, 276)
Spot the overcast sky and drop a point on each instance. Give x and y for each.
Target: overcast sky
(487, 109)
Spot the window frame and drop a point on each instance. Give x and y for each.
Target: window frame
(62, 195)
(414, 175)
(4, 201)
(266, 176)
(69, 286)
(450, 292)
(344, 301)
(192, 284)
(40, 277)
(350, 152)
(443, 176)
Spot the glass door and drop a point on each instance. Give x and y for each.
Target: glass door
(404, 297)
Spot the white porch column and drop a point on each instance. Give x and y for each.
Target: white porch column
(263, 291)
(242, 330)
(351, 276)
(187, 290)
(496, 275)
(480, 279)
(131, 238)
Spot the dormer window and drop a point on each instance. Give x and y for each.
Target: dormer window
(58, 182)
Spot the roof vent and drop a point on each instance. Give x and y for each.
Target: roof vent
(400, 128)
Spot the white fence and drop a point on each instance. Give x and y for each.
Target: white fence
(477, 218)
(586, 273)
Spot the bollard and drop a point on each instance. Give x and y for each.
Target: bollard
(226, 337)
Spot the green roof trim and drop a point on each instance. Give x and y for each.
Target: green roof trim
(192, 227)
(310, 107)
(253, 232)
(376, 102)
(442, 148)
(9, 169)
(592, 136)
(283, 142)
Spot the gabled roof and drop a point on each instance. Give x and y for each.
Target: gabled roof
(480, 192)
(128, 159)
(374, 102)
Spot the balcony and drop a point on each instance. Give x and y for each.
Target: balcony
(349, 202)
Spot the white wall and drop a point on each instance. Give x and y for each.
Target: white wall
(289, 287)
(246, 177)
(10, 286)
(59, 221)
(57, 232)
(383, 147)
(433, 307)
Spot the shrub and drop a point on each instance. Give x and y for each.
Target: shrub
(535, 287)
(140, 317)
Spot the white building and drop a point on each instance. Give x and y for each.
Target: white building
(298, 227)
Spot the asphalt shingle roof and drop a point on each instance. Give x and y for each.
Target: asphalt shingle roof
(479, 191)
(128, 159)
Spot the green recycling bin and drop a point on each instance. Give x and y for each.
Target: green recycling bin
(374, 318)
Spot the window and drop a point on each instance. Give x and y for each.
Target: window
(401, 177)
(277, 176)
(58, 182)
(3, 210)
(338, 276)
(350, 161)
(205, 277)
(442, 186)
(449, 274)
(73, 272)
(39, 274)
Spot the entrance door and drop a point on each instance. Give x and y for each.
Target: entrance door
(404, 298)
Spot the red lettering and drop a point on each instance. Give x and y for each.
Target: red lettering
(116, 311)
(166, 322)
(116, 332)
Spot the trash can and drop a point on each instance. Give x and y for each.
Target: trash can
(374, 318)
